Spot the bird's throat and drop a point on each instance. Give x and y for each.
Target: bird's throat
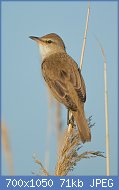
(46, 51)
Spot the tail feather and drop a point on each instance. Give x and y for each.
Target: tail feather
(82, 124)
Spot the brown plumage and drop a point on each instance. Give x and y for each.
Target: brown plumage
(64, 79)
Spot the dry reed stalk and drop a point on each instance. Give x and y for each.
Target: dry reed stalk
(67, 152)
(106, 111)
(85, 36)
(106, 116)
(7, 149)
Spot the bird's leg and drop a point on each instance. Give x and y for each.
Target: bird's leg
(72, 121)
(70, 118)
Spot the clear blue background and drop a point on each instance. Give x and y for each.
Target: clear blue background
(24, 94)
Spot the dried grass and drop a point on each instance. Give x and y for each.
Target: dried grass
(42, 170)
(68, 155)
(7, 148)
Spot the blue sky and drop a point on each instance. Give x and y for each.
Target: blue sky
(24, 94)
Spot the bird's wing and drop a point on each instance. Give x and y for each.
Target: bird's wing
(77, 79)
(80, 86)
(58, 75)
(61, 93)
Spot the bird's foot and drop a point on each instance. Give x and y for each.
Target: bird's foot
(71, 121)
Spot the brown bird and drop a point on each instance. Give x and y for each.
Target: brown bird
(64, 79)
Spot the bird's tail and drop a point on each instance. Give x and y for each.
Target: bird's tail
(82, 124)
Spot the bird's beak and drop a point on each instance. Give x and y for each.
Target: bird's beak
(34, 38)
(37, 39)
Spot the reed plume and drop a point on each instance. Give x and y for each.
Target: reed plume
(68, 155)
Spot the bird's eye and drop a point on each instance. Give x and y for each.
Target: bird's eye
(49, 41)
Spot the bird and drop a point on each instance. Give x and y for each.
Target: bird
(64, 79)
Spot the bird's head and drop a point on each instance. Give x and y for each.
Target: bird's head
(49, 44)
